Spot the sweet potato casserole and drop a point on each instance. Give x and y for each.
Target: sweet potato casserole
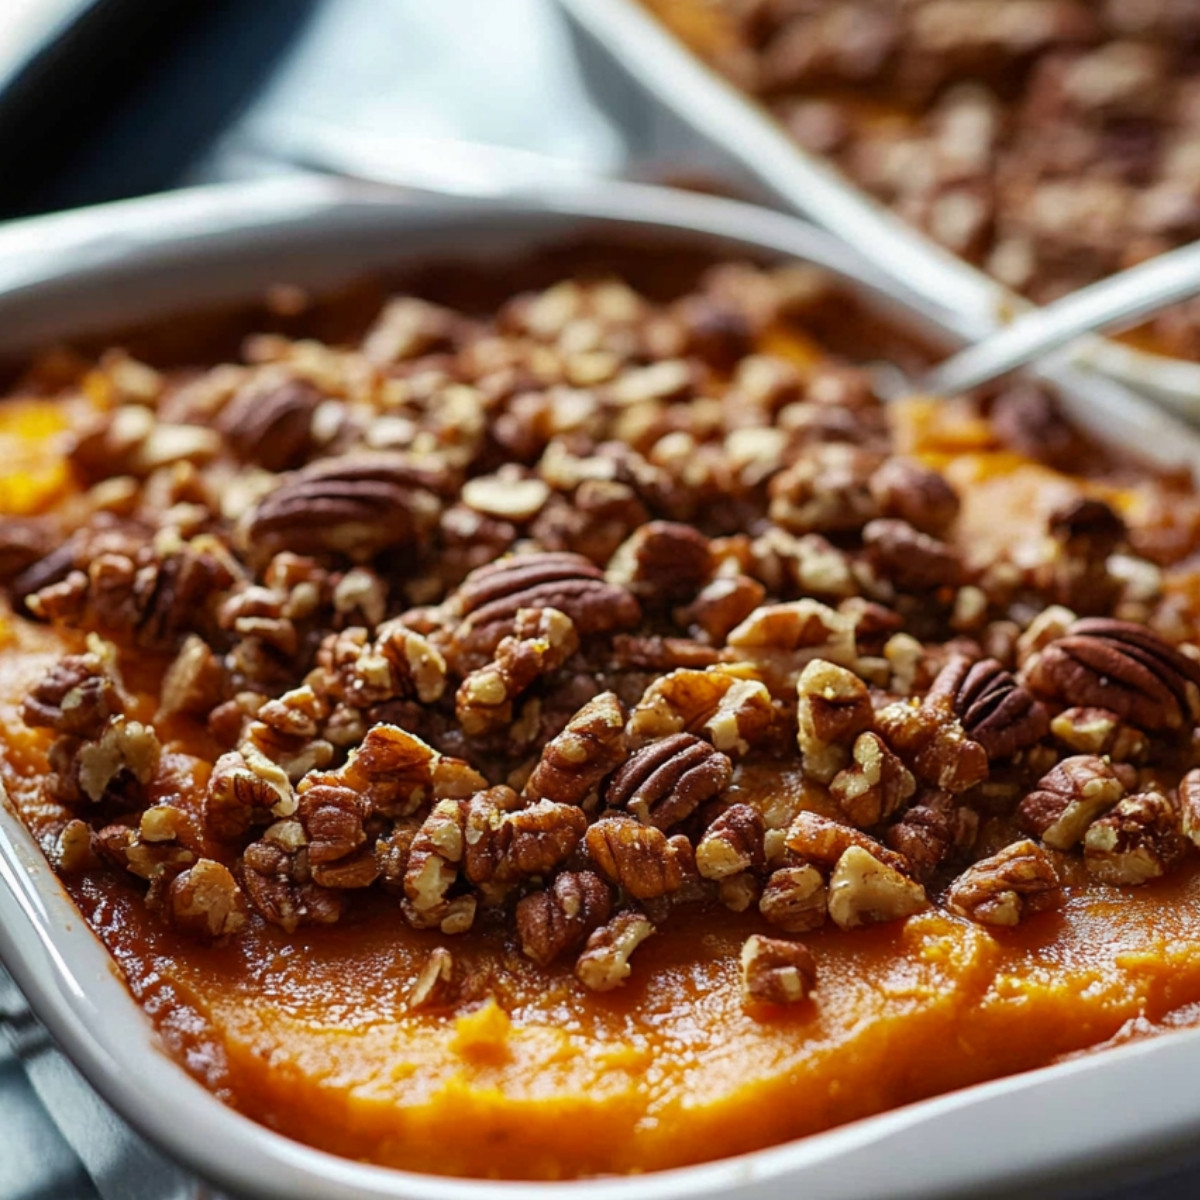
(593, 733)
(1051, 142)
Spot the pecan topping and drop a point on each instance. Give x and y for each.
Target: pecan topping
(1068, 799)
(397, 662)
(279, 883)
(77, 697)
(1007, 887)
(333, 819)
(1099, 731)
(995, 710)
(775, 971)
(205, 901)
(193, 682)
(732, 843)
(781, 638)
(834, 708)
(573, 764)
(1189, 806)
(354, 506)
(818, 840)
(636, 857)
(556, 920)
(734, 712)
(721, 606)
(604, 964)
(875, 785)
(542, 640)
(1136, 841)
(114, 765)
(826, 491)
(152, 849)
(934, 830)
(795, 899)
(271, 425)
(244, 788)
(666, 781)
(912, 560)
(934, 745)
(863, 890)
(502, 846)
(434, 986)
(1127, 668)
(490, 598)
(662, 563)
(912, 493)
(432, 870)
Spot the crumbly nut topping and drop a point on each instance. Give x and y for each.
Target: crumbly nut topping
(506, 622)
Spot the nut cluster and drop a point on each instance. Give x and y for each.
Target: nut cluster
(507, 620)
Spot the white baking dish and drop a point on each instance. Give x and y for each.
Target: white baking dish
(107, 266)
(621, 32)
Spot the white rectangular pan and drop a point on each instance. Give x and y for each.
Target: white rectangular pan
(621, 34)
(102, 268)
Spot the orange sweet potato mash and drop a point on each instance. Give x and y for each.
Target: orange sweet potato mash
(313, 1018)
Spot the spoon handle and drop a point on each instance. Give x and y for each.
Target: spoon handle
(1114, 303)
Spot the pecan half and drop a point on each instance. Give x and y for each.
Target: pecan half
(490, 598)
(1007, 887)
(863, 890)
(502, 846)
(666, 781)
(818, 840)
(333, 819)
(1135, 842)
(573, 764)
(732, 843)
(834, 707)
(557, 919)
(1068, 799)
(875, 785)
(1105, 663)
(356, 505)
(934, 745)
(604, 964)
(243, 789)
(912, 560)
(934, 830)
(906, 490)
(662, 563)
(77, 697)
(995, 710)
(270, 423)
(636, 857)
(279, 884)
(721, 606)
(795, 899)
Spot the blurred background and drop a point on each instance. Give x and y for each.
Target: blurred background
(106, 99)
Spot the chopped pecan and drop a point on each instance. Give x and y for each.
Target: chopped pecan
(542, 640)
(775, 972)
(356, 505)
(833, 708)
(573, 764)
(193, 682)
(279, 883)
(827, 490)
(557, 919)
(23, 542)
(432, 870)
(995, 710)
(934, 830)
(287, 731)
(153, 848)
(333, 819)
(795, 899)
(636, 857)
(915, 494)
(73, 847)
(666, 781)
(502, 846)
(604, 964)
(820, 841)
(1136, 841)
(732, 843)
(1189, 806)
(721, 606)
(863, 890)
(875, 785)
(1105, 663)
(77, 697)
(434, 985)
(269, 422)
(510, 499)
(912, 560)
(933, 745)
(397, 662)
(1099, 731)
(734, 712)
(244, 788)
(1008, 886)
(662, 563)
(490, 598)
(205, 901)
(781, 638)
(116, 764)
(1069, 798)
